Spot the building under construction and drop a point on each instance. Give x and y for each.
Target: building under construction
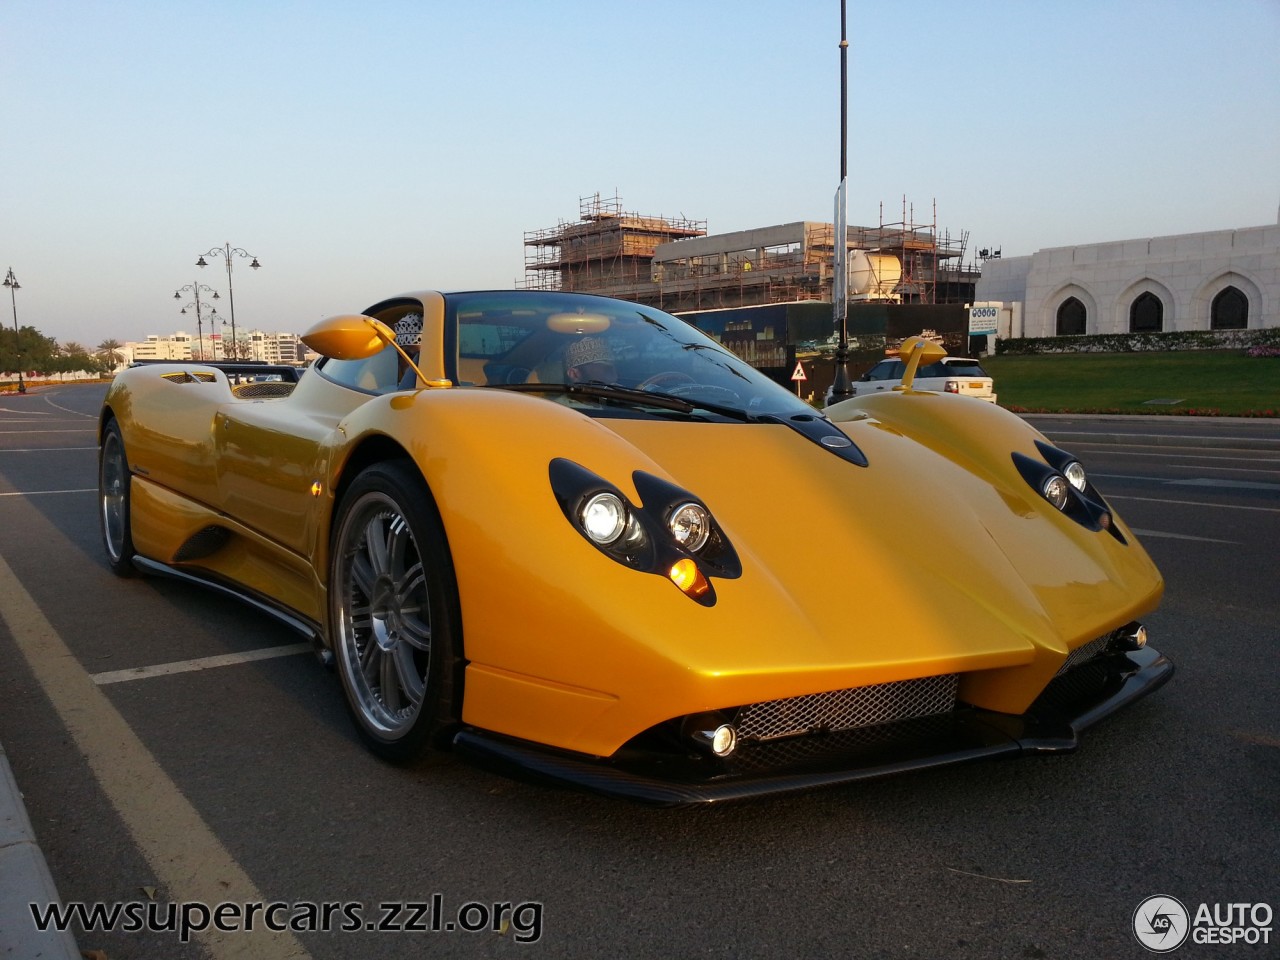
(672, 263)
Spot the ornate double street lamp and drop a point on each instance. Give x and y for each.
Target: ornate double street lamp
(227, 251)
(196, 289)
(11, 282)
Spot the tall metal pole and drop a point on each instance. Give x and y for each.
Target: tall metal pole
(840, 388)
(11, 282)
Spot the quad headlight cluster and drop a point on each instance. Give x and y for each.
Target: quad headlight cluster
(1061, 479)
(671, 532)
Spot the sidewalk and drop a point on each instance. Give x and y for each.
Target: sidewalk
(24, 878)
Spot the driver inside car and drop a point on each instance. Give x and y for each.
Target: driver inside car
(589, 359)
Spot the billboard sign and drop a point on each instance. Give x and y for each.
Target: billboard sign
(982, 320)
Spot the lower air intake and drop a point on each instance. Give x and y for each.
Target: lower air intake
(849, 709)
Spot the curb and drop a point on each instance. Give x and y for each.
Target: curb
(24, 879)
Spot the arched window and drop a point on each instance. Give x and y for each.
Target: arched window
(1147, 314)
(1230, 310)
(1071, 317)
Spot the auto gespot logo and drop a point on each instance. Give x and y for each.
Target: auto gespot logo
(1162, 923)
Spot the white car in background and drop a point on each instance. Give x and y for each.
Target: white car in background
(960, 375)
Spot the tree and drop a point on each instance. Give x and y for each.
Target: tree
(110, 355)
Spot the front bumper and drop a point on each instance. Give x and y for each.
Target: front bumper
(1071, 703)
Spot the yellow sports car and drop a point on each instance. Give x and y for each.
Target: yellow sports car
(573, 537)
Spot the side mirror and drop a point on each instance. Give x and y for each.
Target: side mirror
(350, 336)
(914, 352)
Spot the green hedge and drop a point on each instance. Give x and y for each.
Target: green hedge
(1138, 342)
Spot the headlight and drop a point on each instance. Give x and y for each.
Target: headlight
(1057, 491)
(690, 524)
(603, 518)
(1075, 473)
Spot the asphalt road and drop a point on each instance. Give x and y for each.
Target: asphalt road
(245, 781)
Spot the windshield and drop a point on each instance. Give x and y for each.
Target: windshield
(525, 338)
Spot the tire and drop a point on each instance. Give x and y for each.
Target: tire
(393, 612)
(114, 510)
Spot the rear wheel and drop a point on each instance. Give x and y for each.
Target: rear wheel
(393, 610)
(113, 501)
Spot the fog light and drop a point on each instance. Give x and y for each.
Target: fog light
(724, 740)
(710, 733)
(1132, 636)
(1057, 491)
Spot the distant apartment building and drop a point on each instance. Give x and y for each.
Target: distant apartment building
(175, 346)
(257, 345)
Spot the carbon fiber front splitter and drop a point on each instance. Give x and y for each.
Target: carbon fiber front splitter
(1070, 704)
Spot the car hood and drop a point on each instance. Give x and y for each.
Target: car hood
(934, 558)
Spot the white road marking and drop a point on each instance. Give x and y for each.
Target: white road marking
(45, 449)
(1228, 484)
(32, 433)
(1177, 536)
(186, 855)
(46, 493)
(201, 663)
(1197, 503)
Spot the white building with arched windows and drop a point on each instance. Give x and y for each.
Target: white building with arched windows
(1223, 280)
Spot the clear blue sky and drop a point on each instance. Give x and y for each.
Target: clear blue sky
(360, 150)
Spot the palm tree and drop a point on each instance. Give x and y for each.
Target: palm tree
(73, 349)
(109, 354)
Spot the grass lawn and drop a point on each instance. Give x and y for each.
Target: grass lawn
(1205, 382)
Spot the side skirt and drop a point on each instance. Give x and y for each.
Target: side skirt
(309, 630)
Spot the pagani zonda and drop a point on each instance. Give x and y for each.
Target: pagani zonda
(574, 537)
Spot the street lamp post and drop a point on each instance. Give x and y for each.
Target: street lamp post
(11, 282)
(196, 289)
(227, 251)
(840, 387)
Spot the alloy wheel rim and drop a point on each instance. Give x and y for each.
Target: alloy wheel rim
(385, 619)
(113, 494)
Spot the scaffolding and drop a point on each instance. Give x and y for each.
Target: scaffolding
(603, 250)
(637, 258)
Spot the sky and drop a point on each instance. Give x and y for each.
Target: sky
(362, 150)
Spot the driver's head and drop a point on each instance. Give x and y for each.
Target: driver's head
(589, 358)
(408, 330)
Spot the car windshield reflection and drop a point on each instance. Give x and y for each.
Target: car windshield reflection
(551, 342)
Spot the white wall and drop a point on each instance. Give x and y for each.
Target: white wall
(1185, 272)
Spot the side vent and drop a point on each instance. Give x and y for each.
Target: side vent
(201, 544)
(186, 377)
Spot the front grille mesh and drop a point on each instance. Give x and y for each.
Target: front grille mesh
(849, 709)
(1086, 652)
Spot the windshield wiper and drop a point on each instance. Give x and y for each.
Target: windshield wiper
(600, 390)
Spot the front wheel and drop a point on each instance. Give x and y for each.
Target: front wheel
(113, 501)
(393, 612)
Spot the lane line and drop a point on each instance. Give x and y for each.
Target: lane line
(187, 857)
(1178, 536)
(1198, 503)
(32, 433)
(43, 449)
(200, 663)
(46, 493)
(1194, 482)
